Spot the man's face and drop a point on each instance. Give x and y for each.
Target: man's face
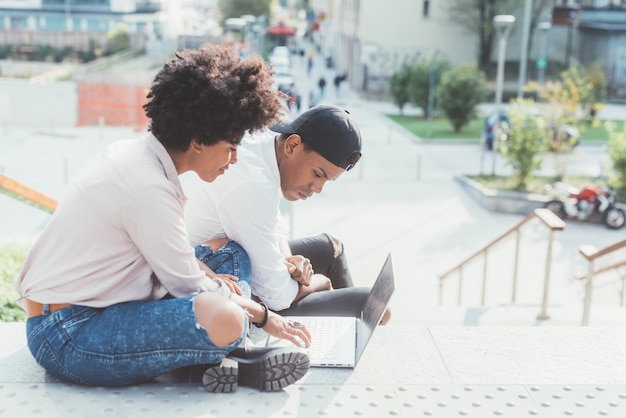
(302, 172)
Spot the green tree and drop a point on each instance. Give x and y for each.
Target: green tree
(596, 77)
(528, 136)
(398, 86)
(580, 89)
(476, 16)
(617, 153)
(118, 40)
(419, 81)
(237, 8)
(459, 92)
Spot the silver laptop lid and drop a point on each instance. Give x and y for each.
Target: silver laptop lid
(375, 305)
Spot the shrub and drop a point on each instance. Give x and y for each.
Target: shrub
(118, 40)
(419, 82)
(398, 86)
(617, 153)
(11, 258)
(528, 137)
(459, 92)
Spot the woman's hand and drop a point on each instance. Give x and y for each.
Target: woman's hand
(293, 331)
(230, 281)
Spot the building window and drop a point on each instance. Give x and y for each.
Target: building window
(18, 22)
(426, 8)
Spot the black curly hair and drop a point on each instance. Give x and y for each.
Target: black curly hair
(210, 94)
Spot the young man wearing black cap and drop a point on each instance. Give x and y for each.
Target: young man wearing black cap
(243, 205)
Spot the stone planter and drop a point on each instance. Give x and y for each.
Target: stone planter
(503, 200)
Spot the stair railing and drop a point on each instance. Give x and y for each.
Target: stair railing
(547, 218)
(592, 254)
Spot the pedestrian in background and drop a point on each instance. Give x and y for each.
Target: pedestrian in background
(322, 85)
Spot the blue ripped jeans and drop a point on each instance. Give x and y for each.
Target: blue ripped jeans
(123, 344)
(231, 259)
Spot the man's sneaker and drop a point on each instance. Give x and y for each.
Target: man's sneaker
(265, 368)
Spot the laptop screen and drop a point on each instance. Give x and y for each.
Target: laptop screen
(375, 305)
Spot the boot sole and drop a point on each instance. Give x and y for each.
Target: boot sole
(275, 371)
(222, 378)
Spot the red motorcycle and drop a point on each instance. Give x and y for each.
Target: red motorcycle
(587, 204)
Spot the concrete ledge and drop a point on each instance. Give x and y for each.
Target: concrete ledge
(503, 201)
(407, 370)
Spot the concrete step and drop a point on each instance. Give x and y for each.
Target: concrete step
(518, 315)
(407, 370)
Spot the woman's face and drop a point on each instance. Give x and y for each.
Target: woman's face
(213, 160)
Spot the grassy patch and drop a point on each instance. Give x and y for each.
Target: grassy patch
(594, 133)
(11, 258)
(538, 184)
(440, 128)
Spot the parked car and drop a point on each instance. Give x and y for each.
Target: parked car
(280, 51)
(570, 134)
(283, 79)
(280, 61)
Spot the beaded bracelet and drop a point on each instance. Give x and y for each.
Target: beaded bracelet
(266, 315)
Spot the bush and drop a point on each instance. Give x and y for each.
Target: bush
(398, 87)
(11, 259)
(118, 40)
(419, 82)
(617, 153)
(459, 92)
(528, 137)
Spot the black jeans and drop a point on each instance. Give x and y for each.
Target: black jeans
(344, 299)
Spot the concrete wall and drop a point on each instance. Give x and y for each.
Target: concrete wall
(68, 104)
(23, 102)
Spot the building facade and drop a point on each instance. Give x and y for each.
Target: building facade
(76, 23)
(371, 39)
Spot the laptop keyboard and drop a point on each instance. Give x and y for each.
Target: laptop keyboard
(325, 344)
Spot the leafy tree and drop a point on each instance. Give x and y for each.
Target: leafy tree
(118, 40)
(419, 81)
(459, 92)
(596, 77)
(617, 153)
(236, 8)
(476, 16)
(398, 86)
(528, 136)
(579, 90)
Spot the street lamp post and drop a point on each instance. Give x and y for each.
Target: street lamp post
(523, 62)
(571, 21)
(542, 62)
(502, 25)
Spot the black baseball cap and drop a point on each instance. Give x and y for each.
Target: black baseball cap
(328, 130)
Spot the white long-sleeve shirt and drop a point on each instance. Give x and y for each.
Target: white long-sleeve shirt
(118, 234)
(243, 205)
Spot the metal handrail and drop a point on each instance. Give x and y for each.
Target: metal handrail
(591, 254)
(545, 216)
(26, 194)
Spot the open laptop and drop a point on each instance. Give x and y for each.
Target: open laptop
(339, 341)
